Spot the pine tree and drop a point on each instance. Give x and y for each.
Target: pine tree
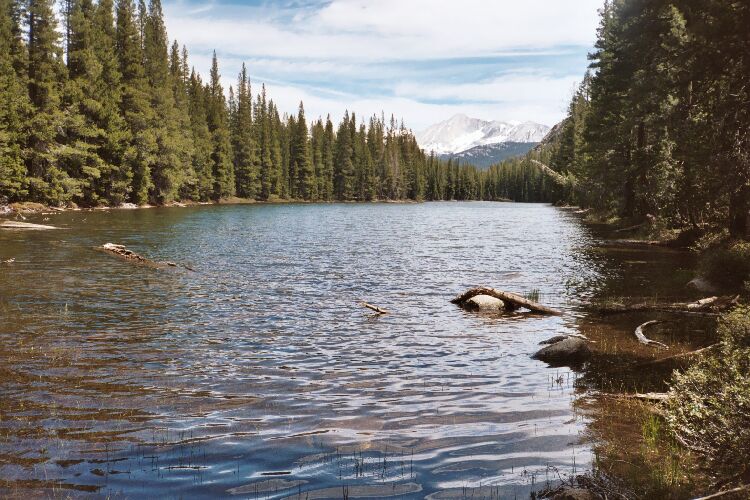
(135, 106)
(14, 106)
(202, 187)
(275, 156)
(317, 139)
(113, 184)
(243, 140)
(262, 136)
(82, 102)
(173, 146)
(327, 157)
(343, 170)
(301, 169)
(218, 125)
(46, 78)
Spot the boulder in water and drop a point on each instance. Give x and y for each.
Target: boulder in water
(484, 303)
(571, 350)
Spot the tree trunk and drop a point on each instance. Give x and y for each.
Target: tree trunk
(739, 206)
(512, 300)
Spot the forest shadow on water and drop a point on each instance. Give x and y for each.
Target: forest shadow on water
(258, 374)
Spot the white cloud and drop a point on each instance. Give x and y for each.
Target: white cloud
(362, 55)
(389, 29)
(417, 114)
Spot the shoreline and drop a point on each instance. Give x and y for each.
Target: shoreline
(32, 208)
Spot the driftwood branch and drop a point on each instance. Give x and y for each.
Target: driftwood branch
(709, 305)
(642, 337)
(652, 396)
(733, 491)
(377, 309)
(512, 300)
(681, 358)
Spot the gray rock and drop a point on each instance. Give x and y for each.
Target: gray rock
(574, 494)
(701, 284)
(569, 351)
(485, 303)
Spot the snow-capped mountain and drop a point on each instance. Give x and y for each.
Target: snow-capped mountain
(461, 133)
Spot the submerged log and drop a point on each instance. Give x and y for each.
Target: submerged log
(127, 254)
(11, 224)
(512, 300)
(377, 309)
(642, 337)
(709, 305)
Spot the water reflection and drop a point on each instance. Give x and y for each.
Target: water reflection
(260, 375)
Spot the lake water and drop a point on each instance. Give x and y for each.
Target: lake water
(259, 375)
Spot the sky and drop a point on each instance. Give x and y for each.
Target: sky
(420, 60)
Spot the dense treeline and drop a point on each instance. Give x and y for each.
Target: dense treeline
(105, 111)
(661, 124)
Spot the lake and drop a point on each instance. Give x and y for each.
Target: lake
(258, 373)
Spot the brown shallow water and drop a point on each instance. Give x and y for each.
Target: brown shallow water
(258, 374)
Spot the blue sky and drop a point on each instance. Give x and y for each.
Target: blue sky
(422, 60)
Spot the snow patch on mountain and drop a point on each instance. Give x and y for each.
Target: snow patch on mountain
(460, 133)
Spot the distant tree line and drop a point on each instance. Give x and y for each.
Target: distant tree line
(102, 110)
(661, 123)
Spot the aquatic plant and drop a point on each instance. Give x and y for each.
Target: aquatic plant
(534, 295)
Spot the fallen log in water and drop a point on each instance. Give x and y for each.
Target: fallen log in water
(11, 224)
(512, 300)
(642, 337)
(709, 305)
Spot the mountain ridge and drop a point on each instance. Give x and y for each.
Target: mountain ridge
(461, 133)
